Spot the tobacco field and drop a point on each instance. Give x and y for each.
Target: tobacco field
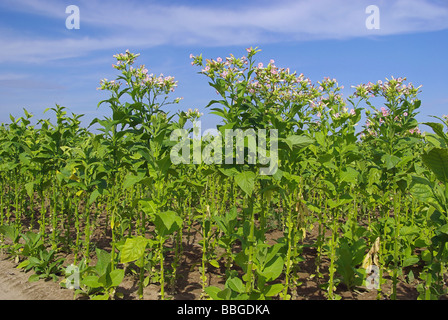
(356, 193)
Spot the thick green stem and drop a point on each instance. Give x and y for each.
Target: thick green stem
(396, 244)
(251, 244)
(162, 272)
(332, 256)
(289, 226)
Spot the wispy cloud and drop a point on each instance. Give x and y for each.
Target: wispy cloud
(119, 24)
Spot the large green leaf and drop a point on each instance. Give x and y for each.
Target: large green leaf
(443, 229)
(246, 181)
(213, 292)
(167, 222)
(421, 189)
(236, 284)
(131, 180)
(91, 281)
(438, 129)
(437, 161)
(272, 290)
(298, 141)
(349, 175)
(116, 276)
(390, 161)
(133, 249)
(103, 261)
(409, 261)
(344, 199)
(273, 269)
(11, 232)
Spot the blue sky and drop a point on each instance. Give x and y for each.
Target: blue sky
(43, 63)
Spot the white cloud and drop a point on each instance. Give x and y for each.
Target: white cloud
(129, 24)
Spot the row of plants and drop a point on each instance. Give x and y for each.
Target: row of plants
(374, 196)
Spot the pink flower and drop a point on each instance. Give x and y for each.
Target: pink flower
(191, 56)
(405, 114)
(272, 61)
(352, 112)
(319, 115)
(219, 59)
(260, 65)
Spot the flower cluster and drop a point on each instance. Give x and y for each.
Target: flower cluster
(267, 83)
(162, 83)
(279, 85)
(193, 114)
(391, 89)
(386, 117)
(415, 130)
(109, 85)
(124, 59)
(139, 78)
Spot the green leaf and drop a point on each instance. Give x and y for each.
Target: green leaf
(437, 161)
(273, 269)
(374, 176)
(438, 129)
(390, 161)
(443, 229)
(344, 199)
(148, 206)
(133, 249)
(23, 264)
(93, 196)
(213, 292)
(34, 278)
(272, 290)
(229, 172)
(321, 139)
(116, 277)
(246, 181)
(103, 261)
(298, 141)
(100, 297)
(236, 284)
(421, 190)
(11, 232)
(167, 222)
(349, 175)
(91, 282)
(224, 294)
(131, 180)
(410, 261)
(214, 263)
(409, 230)
(29, 187)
